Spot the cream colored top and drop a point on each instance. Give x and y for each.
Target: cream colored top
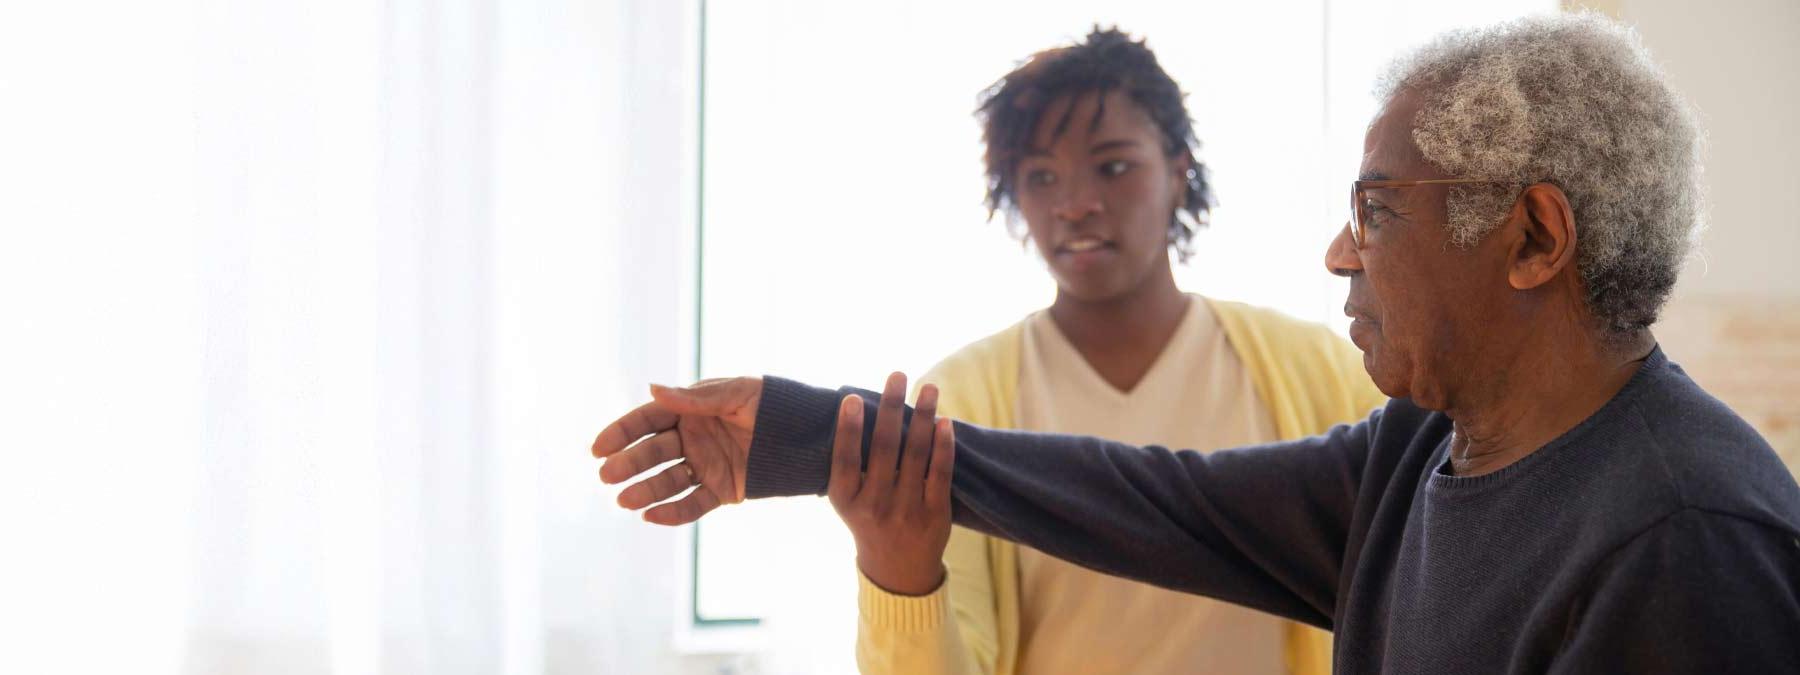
(1197, 394)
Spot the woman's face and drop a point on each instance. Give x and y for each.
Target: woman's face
(1099, 198)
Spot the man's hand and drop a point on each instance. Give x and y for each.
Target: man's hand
(899, 510)
(707, 426)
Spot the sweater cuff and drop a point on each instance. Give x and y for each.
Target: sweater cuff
(902, 613)
(790, 450)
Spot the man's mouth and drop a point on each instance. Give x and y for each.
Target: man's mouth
(1358, 314)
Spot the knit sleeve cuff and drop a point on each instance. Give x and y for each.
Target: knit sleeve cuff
(790, 451)
(902, 613)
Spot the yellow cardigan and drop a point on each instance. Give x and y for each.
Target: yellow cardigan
(1309, 378)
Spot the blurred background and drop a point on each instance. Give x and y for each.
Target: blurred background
(312, 309)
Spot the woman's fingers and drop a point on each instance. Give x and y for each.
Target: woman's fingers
(665, 484)
(884, 447)
(917, 454)
(620, 467)
(943, 465)
(846, 454)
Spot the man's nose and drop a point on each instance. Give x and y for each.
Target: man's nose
(1341, 257)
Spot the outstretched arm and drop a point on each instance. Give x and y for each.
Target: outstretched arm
(1263, 527)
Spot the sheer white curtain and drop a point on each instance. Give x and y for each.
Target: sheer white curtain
(312, 310)
(353, 493)
(99, 358)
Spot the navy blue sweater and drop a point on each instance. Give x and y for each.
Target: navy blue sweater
(1661, 535)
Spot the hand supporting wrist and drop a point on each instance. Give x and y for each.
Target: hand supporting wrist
(909, 578)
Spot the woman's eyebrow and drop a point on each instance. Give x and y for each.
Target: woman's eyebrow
(1103, 146)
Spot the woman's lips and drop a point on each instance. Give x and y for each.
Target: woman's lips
(1083, 244)
(1082, 254)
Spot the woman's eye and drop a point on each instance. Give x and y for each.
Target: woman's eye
(1114, 168)
(1039, 177)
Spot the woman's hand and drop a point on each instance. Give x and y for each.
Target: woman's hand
(899, 510)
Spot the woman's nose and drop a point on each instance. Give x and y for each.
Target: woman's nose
(1079, 200)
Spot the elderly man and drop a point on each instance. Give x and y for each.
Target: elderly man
(1546, 492)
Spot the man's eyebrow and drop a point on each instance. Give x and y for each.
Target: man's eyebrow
(1373, 175)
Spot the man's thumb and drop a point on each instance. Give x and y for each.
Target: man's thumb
(709, 401)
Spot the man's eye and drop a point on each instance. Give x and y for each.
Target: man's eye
(1378, 212)
(1114, 168)
(1039, 177)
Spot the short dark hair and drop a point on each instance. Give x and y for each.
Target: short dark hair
(1108, 60)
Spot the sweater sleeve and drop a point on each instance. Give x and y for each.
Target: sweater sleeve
(1698, 593)
(1262, 527)
(931, 634)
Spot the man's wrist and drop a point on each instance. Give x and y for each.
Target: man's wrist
(790, 449)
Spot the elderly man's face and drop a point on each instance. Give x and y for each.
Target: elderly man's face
(1425, 311)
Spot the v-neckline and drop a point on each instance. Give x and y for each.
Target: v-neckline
(1189, 316)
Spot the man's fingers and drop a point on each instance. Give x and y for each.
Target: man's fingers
(685, 510)
(846, 452)
(943, 466)
(708, 444)
(918, 447)
(646, 419)
(662, 447)
(884, 447)
(665, 484)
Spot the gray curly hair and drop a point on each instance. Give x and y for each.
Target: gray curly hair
(1573, 100)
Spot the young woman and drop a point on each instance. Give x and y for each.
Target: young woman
(1091, 146)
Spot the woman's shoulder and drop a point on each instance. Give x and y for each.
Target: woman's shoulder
(1268, 333)
(982, 358)
(1268, 321)
(978, 382)
(1292, 358)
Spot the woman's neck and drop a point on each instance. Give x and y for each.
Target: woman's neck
(1121, 336)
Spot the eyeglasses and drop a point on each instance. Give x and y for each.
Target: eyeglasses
(1359, 200)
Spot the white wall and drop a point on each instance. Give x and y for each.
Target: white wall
(1738, 62)
(1734, 322)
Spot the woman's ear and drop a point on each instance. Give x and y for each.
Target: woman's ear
(1179, 167)
(1547, 245)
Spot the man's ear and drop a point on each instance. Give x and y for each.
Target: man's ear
(1547, 245)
